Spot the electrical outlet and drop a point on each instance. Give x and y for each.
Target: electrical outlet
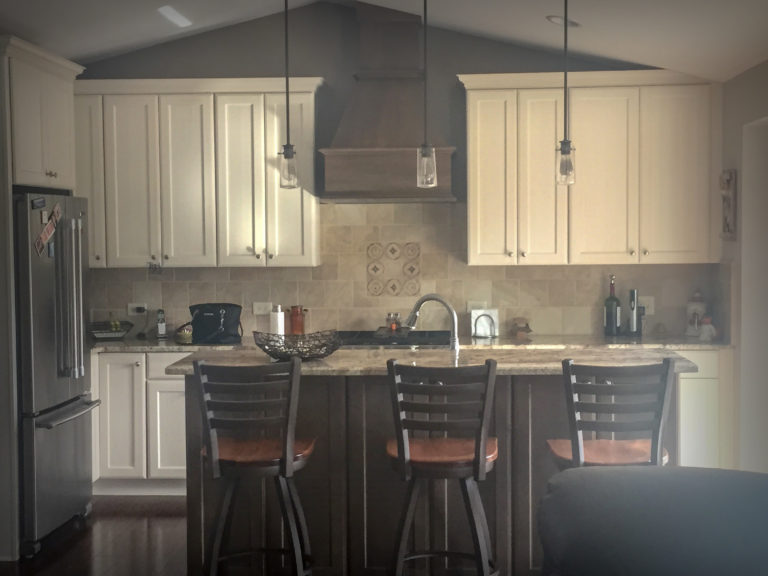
(649, 303)
(476, 305)
(134, 309)
(262, 308)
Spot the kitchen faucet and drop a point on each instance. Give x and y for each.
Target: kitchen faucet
(410, 322)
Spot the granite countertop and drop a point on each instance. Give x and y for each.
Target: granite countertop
(536, 343)
(372, 362)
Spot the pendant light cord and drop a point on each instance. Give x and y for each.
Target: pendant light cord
(565, 69)
(425, 73)
(287, 101)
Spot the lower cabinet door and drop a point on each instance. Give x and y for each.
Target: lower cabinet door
(122, 427)
(165, 421)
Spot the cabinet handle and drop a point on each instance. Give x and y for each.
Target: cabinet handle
(645, 252)
(632, 252)
(97, 257)
(523, 253)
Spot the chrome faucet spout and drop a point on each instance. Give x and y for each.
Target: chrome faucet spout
(413, 317)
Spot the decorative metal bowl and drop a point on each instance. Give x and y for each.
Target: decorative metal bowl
(109, 330)
(305, 346)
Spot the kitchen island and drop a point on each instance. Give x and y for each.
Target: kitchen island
(351, 495)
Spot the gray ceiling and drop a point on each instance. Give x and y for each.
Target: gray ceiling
(712, 39)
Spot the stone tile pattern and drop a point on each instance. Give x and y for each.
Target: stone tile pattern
(393, 269)
(558, 300)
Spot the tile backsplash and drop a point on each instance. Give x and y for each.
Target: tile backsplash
(344, 292)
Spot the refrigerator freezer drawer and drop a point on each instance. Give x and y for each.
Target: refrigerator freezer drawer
(56, 478)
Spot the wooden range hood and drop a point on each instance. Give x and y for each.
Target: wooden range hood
(372, 158)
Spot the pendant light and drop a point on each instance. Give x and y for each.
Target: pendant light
(426, 165)
(566, 152)
(289, 175)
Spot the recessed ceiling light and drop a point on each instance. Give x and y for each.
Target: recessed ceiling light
(558, 21)
(173, 15)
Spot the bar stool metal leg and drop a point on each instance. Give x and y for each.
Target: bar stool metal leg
(475, 524)
(289, 518)
(222, 523)
(474, 493)
(404, 528)
(300, 518)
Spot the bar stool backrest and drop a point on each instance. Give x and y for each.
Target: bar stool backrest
(442, 400)
(249, 402)
(617, 400)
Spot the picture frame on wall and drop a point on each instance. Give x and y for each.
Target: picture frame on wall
(728, 194)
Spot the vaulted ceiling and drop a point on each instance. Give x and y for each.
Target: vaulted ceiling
(712, 39)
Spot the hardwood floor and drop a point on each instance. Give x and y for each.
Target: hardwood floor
(125, 536)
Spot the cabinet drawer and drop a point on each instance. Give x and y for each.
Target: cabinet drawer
(707, 361)
(157, 362)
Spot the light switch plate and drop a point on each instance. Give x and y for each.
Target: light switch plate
(648, 302)
(132, 309)
(262, 308)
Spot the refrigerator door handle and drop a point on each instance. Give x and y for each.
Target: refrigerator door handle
(73, 303)
(51, 423)
(80, 312)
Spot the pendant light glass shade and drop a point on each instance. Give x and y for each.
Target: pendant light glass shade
(566, 157)
(289, 174)
(426, 167)
(566, 161)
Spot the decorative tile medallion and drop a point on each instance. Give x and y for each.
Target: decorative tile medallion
(394, 269)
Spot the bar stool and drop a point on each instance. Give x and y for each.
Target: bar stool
(629, 400)
(444, 400)
(249, 419)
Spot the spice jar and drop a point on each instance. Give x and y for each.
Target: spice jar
(297, 320)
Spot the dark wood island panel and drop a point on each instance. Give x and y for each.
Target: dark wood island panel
(351, 494)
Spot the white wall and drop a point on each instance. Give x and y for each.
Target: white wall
(754, 298)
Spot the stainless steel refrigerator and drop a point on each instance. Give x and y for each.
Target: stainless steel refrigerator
(51, 259)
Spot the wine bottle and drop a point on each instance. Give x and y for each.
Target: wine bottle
(612, 311)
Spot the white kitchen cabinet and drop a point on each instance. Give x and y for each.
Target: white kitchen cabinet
(42, 116)
(165, 418)
(705, 410)
(675, 174)
(259, 223)
(604, 202)
(644, 190)
(89, 173)
(122, 417)
(516, 213)
(132, 189)
(187, 181)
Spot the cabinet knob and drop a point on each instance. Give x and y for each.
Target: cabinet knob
(271, 256)
(138, 363)
(55, 174)
(632, 252)
(97, 257)
(258, 256)
(249, 248)
(523, 253)
(510, 253)
(645, 252)
(165, 256)
(153, 257)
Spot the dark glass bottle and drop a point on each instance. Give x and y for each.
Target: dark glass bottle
(612, 311)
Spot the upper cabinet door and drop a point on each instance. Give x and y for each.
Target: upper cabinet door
(240, 177)
(132, 180)
(675, 174)
(89, 169)
(492, 181)
(292, 228)
(187, 185)
(542, 218)
(604, 216)
(42, 126)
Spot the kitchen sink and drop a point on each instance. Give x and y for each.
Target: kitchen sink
(397, 339)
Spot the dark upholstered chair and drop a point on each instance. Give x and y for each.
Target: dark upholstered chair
(627, 403)
(454, 403)
(249, 418)
(653, 520)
